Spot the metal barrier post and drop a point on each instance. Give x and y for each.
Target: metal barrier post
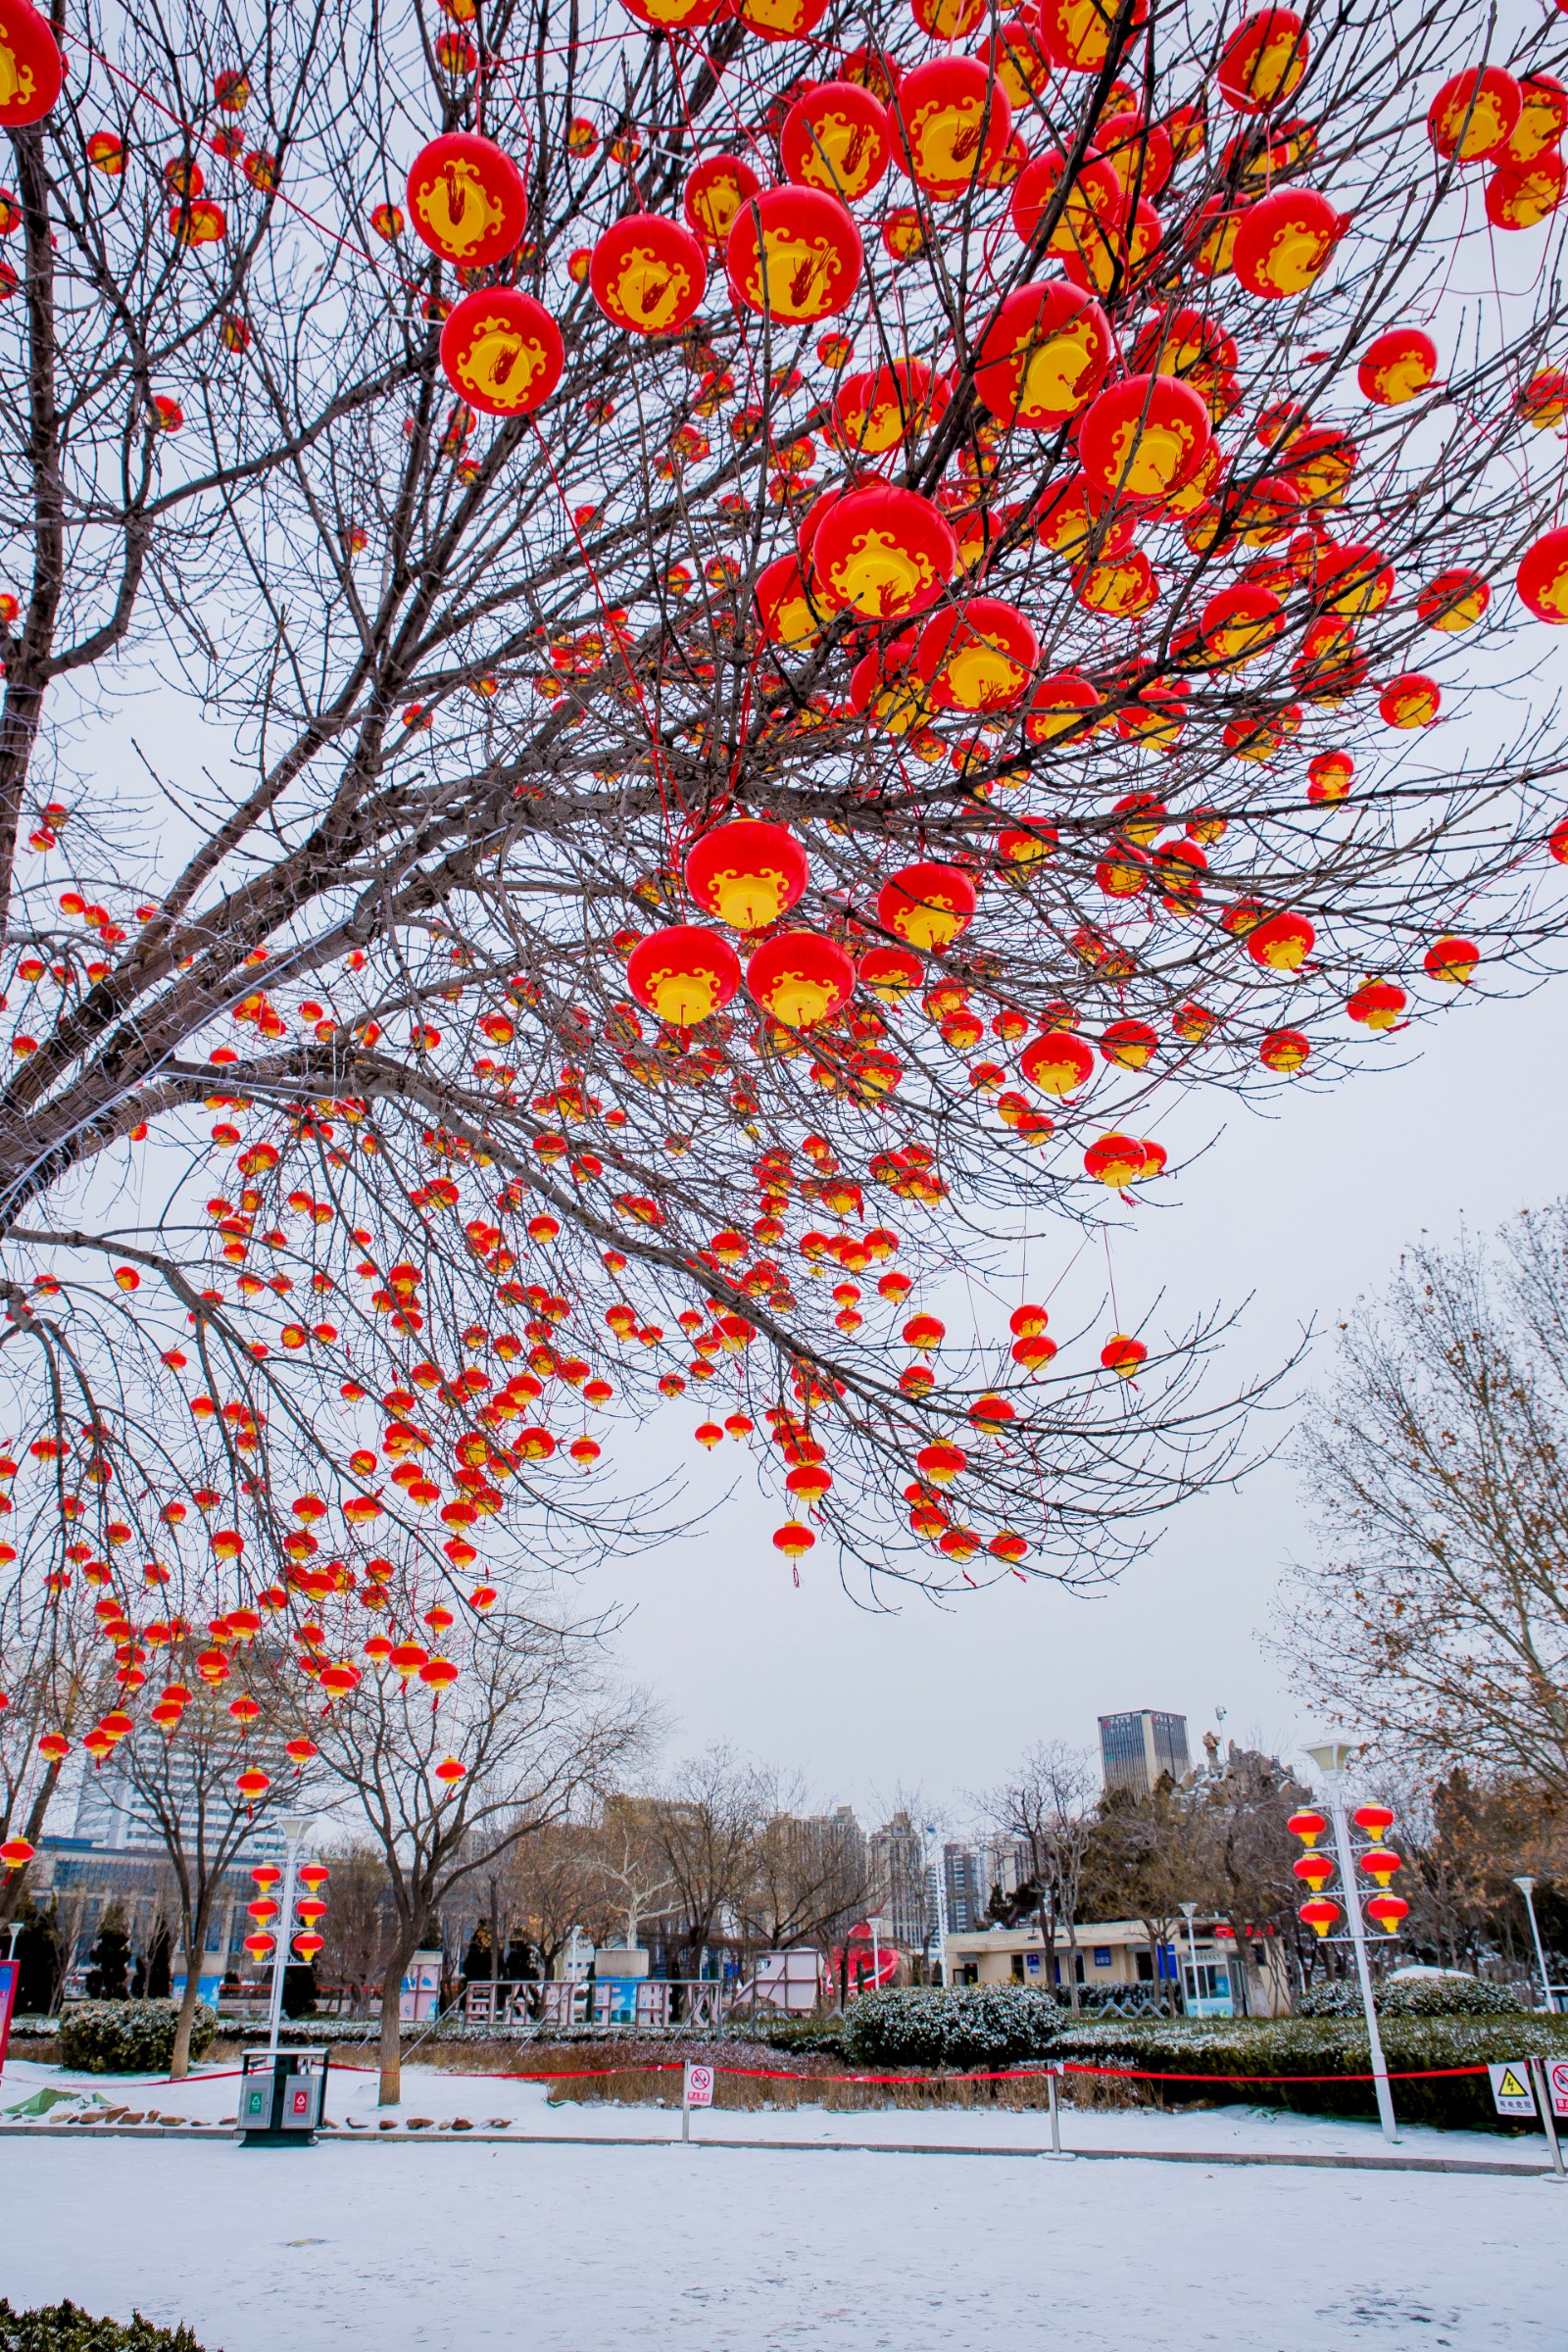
(1548, 2121)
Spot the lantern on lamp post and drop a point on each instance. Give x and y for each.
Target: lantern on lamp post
(1383, 1910)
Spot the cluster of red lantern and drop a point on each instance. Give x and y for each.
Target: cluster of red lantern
(264, 1908)
(1318, 1868)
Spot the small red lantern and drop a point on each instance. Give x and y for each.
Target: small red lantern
(1145, 436)
(450, 1771)
(800, 978)
(836, 139)
(198, 222)
(1319, 1915)
(1380, 1862)
(952, 123)
(1473, 117)
(1309, 1825)
(1044, 355)
(1263, 60)
(1060, 706)
(794, 253)
(1057, 1064)
(647, 274)
(1454, 600)
(308, 1945)
(502, 351)
(1397, 366)
(1541, 578)
(31, 65)
(1285, 241)
(1282, 943)
(1523, 195)
(1285, 1051)
(252, 1785)
(785, 610)
(890, 973)
(1386, 1911)
(1373, 1821)
(714, 194)
(1411, 700)
(1078, 33)
(927, 905)
(1377, 1004)
(979, 657)
(1452, 961)
(16, 1853)
(884, 551)
(1314, 1870)
(683, 974)
(673, 15)
(1123, 1356)
(877, 409)
(793, 1540)
(746, 872)
(467, 199)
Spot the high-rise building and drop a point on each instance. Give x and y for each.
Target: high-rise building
(965, 1882)
(111, 1813)
(900, 1894)
(1137, 1751)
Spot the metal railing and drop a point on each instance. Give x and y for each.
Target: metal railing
(652, 2003)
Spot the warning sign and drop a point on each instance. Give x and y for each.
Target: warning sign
(700, 2086)
(1557, 2085)
(1511, 2090)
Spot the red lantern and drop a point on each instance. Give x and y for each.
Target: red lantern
(1411, 700)
(1282, 943)
(885, 551)
(890, 973)
(951, 124)
(1451, 961)
(1397, 366)
(683, 974)
(1314, 1870)
(785, 610)
(1285, 1051)
(675, 16)
(927, 905)
(1060, 706)
(1285, 241)
(1044, 355)
(1386, 1911)
(1118, 1160)
(1057, 1064)
(800, 978)
(468, 200)
(1523, 195)
(1123, 1356)
(836, 139)
(1454, 600)
(308, 1945)
(714, 194)
(1145, 436)
(647, 274)
(502, 352)
(1473, 116)
(17, 1853)
(1541, 578)
(1329, 776)
(879, 408)
(979, 657)
(1380, 1862)
(746, 872)
(1309, 1825)
(794, 253)
(1542, 119)
(1239, 623)
(1263, 60)
(1373, 1821)
(781, 19)
(1078, 33)
(1320, 1915)
(793, 1540)
(1377, 1004)
(31, 65)
(1095, 200)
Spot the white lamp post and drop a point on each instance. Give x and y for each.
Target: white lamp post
(1330, 1760)
(293, 1826)
(939, 1881)
(1527, 1888)
(1189, 1912)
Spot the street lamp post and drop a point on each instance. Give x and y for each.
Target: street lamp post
(1189, 1912)
(1527, 1888)
(293, 1826)
(1330, 1760)
(938, 1878)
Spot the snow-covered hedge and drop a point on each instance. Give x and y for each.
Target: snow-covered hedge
(62, 2328)
(129, 2038)
(1327, 2047)
(1445, 1993)
(965, 2026)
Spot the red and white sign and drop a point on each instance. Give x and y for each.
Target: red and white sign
(1557, 2085)
(698, 2087)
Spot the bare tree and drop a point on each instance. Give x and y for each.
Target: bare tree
(705, 1822)
(553, 1884)
(360, 1925)
(1436, 1613)
(1245, 1853)
(807, 1882)
(1048, 1807)
(635, 1878)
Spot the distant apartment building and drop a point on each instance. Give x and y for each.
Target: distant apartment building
(900, 1892)
(1137, 1751)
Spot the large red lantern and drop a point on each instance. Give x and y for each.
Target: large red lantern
(795, 254)
(1095, 198)
(879, 408)
(1397, 366)
(1078, 33)
(980, 656)
(647, 274)
(1411, 700)
(927, 905)
(502, 351)
(885, 551)
(31, 65)
(1523, 195)
(836, 139)
(951, 126)
(1285, 241)
(675, 16)
(1145, 436)
(781, 19)
(467, 199)
(1281, 944)
(714, 194)
(1263, 62)
(746, 872)
(1057, 1064)
(800, 978)
(1473, 116)
(683, 974)
(1541, 578)
(787, 613)
(1454, 601)
(1044, 355)
(1060, 706)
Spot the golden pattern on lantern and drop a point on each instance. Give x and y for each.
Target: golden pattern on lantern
(794, 253)
(647, 274)
(502, 351)
(467, 199)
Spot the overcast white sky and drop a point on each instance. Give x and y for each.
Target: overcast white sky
(1307, 1211)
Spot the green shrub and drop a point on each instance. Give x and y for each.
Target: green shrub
(809, 2036)
(1327, 2046)
(128, 2038)
(1337, 1996)
(1446, 1992)
(976, 2025)
(65, 2328)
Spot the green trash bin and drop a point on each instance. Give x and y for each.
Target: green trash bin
(282, 2098)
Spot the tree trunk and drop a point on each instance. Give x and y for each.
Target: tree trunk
(1073, 1967)
(195, 1945)
(390, 2056)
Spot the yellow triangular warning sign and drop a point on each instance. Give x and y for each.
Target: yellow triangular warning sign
(1510, 2087)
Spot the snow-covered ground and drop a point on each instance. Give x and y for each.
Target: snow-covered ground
(423, 2240)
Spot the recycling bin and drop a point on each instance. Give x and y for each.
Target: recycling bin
(282, 2095)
